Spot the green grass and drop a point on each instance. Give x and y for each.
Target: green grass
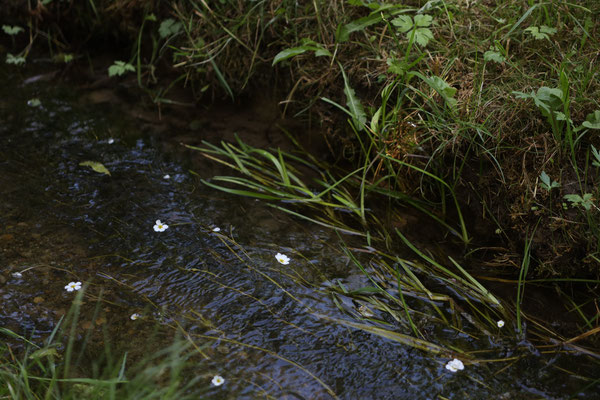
(63, 367)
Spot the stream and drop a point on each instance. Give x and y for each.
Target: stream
(268, 328)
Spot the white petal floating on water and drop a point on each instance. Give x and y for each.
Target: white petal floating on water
(73, 286)
(455, 365)
(217, 380)
(160, 227)
(282, 258)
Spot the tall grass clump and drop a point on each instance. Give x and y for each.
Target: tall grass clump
(65, 366)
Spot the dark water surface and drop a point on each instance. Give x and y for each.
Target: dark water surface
(259, 321)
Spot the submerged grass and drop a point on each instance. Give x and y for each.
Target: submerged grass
(444, 292)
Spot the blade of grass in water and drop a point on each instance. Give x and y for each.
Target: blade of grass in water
(395, 336)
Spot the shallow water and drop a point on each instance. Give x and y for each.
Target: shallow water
(262, 322)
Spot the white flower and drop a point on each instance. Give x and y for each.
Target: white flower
(111, 141)
(455, 365)
(282, 258)
(500, 324)
(216, 229)
(135, 316)
(73, 286)
(167, 176)
(17, 274)
(218, 380)
(160, 227)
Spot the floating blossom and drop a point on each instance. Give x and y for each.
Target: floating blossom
(455, 365)
(160, 227)
(282, 258)
(500, 323)
(35, 102)
(218, 380)
(73, 286)
(135, 316)
(167, 176)
(216, 229)
(111, 141)
(17, 275)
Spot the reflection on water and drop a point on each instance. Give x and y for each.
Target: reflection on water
(261, 320)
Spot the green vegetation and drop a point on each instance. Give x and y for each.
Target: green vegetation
(55, 369)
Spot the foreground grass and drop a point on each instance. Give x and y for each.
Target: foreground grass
(64, 367)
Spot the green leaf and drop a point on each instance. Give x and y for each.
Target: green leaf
(403, 22)
(546, 99)
(596, 155)
(551, 96)
(344, 31)
(119, 68)
(545, 179)
(96, 166)
(592, 120)
(322, 52)
(307, 45)
(546, 184)
(423, 20)
(289, 53)
(494, 56)
(169, 27)
(423, 36)
(44, 352)
(578, 201)
(356, 109)
(11, 30)
(445, 90)
(395, 66)
(542, 33)
(547, 30)
(16, 60)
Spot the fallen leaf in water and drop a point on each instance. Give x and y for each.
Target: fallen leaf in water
(96, 166)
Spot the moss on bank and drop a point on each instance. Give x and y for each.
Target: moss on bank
(498, 100)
